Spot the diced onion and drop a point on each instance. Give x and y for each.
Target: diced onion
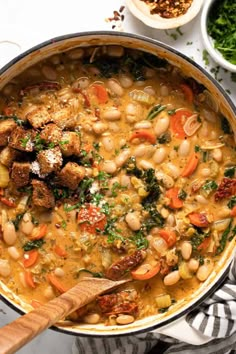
(163, 301)
(221, 225)
(184, 271)
(141, 96)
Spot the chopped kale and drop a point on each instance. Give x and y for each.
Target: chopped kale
(152, 187)
(155, 111)
(132, 169)
(182, 194)
(94, 274)
(28, 246)
(164, 138)
(230, 172)
(225, 126)
(224, 238)
(232, 203)
(17, 220)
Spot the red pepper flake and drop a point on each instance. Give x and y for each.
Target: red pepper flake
(168, 8)
(118, 17)
(226, 189)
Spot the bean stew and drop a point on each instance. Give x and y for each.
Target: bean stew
(113, 164)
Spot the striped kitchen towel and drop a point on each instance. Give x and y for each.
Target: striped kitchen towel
(215, 318)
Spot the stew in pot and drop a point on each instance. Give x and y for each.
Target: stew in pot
(113, 164)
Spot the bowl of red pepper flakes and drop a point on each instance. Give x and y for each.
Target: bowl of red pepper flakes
(164, 14)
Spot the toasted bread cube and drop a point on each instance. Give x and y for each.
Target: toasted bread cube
(71, 175)
(51, 134)
(64, 119)
(49, 160)
(38, 117)
(6, 127)
(20, 173)
(8, 155)
(21, 139)
(42, 196)
(70, 144)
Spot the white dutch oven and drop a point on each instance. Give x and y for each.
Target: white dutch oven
(172, 321)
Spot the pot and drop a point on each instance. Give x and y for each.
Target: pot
(190, 68)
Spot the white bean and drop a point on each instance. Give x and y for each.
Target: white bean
(13, 252)
(161, 125)
(92, 318)
(59, 272)
(170, 220)
(184, 148)
(125, 181)
(143, 124)
(111, 114)
(150, 90)
(22, 279)
(172, 278)
(115, 87)
(186, 250)
(122, 158)
(115, 51)
(108, 143)
(149, 72)
(145, 164)
(217, 155)
(5, 269)
(140, 150)
(77, 53)
(124, 319)
(26, 225)
(133, 221)
(173, 170)
(160, 155)
(9, 233)
(200, 199)
(126, 81)
(109, 166)
(205, 172)
(204, 270)
(48, 292)
(166, 180)
(99, 127)
(49, 72)
(159, 244)
(164, 91)
(193, 264)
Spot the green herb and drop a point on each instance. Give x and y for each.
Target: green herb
(182, 194)
(112, 232)
(224, 238)
(201, 260)
(163, 309)
(64, 224)
(171, 112)
(210, 186)
(94, 274)
(221, 27)
(154, 219)
(39, 144)
(115, 188)
(63, 142)
(140, 240)
(225, 126)
(198, 238)
(34, 220)
(82, 192)
(230, 172)
(24, 141)
(164, 138)
(17, 220)
(205, 57)
(61, 193)
(155, 111)
(233, 233)
(96, 146)
(197, 148)
(96, 198)
(28, 246)
(26, 189)
(232, 202)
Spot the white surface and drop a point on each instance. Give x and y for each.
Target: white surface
(25, 23)
(208, 41)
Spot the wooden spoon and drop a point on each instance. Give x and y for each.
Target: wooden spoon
(19, 332)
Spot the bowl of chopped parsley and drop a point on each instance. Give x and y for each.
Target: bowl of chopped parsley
(218, 26)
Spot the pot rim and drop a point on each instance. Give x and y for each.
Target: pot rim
(225, 269)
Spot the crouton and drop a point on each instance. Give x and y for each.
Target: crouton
(51, 134)
(71, 175)
(20, 173)
(70, 144)
(8, 155)
(49, 160)
(22, 139)
(38, 117)
(6, 127)
(42, 196)
(64, 119)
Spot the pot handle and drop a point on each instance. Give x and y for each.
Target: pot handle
(8, 50)
(181, 330)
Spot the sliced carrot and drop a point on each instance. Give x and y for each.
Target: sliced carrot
(177, 122)
(169, 236)
(143, 273)
(191, 165)
(198, 219)
(143, 134)
(31, 258)
(39, 232)
(8, 202)
(29, 279)
(205, 244)
(60, 251)
(36, 304)
(101, 93)
(7, 111)
(56, 283)
(91, 219)
(233, 211)
(188, 92)
(175, 202)
(1, 192)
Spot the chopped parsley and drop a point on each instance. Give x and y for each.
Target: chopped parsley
(24, 141)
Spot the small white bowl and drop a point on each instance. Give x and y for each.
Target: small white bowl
(142, 11)
(209, 42)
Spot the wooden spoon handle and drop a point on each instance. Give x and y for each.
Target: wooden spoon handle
(14, 335)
